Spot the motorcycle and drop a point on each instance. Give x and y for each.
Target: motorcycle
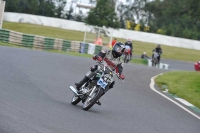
(127, 54)
(95, 87)
(155, 59)
(197, 65)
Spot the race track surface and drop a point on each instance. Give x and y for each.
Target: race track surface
(35, 98)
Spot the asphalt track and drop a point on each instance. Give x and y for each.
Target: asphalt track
(35, 98)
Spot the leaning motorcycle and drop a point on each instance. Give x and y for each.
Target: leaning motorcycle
(95, 87)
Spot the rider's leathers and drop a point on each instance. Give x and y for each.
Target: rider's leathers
(111, 61)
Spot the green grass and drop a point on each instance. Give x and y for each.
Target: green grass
(169, 52)
(182, 84)
(71, 53)
(139, 61)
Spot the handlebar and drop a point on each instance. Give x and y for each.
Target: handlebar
(106, 66)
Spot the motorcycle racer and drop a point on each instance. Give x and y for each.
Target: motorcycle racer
(112, 58)
(158, 50)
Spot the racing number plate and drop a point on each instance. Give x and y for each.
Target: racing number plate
(102, 83)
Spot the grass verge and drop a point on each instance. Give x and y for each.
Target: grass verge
(70, 53)
(169, 52)
(139, 61)
(182, 84)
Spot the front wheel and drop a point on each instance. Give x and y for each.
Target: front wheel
(75, 100)
(92, 99)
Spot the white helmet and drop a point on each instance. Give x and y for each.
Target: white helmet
(129, 40)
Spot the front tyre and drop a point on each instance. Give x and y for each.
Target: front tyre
(75, 100)
(91, 100)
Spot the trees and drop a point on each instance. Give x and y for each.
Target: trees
(178, 18)
(103, 15)
(60, 8)
(51, 8)
(133, 12)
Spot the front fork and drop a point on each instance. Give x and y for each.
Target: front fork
(94, 88)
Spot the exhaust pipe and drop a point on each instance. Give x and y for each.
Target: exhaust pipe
(74, 90)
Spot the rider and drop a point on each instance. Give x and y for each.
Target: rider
(158, 50)
(129, 43)
(144, 55)
(112, 58)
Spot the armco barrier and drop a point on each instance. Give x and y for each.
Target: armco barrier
(40, 42)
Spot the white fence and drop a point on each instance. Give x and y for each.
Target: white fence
(121, 33)
(2, 6)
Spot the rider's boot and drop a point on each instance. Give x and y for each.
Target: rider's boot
(110, 87)
(78, 85)
(98, 102)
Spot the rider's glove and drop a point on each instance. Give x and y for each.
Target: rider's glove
(99, 58)
(94, 58)
(122, 76)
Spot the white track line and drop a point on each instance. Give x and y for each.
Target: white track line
(152, 87)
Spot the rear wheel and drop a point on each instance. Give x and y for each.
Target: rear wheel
(91, 100)
(75, 100)
(125, 58)
(153, 62)
(156, 62)
(128, 58)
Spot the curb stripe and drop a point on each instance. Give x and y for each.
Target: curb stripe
(184, 102)
(152, 87)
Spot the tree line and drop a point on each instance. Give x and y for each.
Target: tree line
(49, 8)
(178, 18)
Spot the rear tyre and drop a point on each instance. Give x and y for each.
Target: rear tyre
(75, 100)
(128, 58)
(153, 62)
(90, 101)
(125, 58)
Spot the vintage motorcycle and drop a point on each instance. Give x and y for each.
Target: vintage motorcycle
(91, 91)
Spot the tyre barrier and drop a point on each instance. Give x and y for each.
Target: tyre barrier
(161, 65)
(46, 43)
